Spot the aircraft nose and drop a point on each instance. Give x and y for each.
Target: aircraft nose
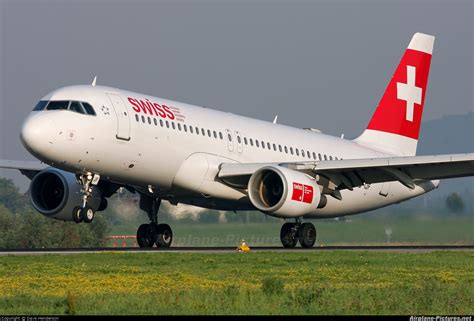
(37, 135)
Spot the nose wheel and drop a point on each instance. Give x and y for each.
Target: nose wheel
(292, 233)
(85, 213)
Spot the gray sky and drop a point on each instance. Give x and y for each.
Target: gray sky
(322, 64)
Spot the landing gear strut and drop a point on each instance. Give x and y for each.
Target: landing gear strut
(153, 233)
(85, 213)
(291, 233)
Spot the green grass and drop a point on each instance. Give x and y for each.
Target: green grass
(344, 282)
(415, 230)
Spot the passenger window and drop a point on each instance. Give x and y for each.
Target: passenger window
(325, 157)
(208, 133)
(197, 130)
(155, 121)
(286, 150)
(215, 134)
(173, 125)
(137, 118)
(245, 140)
(314, 155)
(330, 157)
(40, 105)
(279, 148)
(149, 120)
(319, 157)
(191, 129)
(291, 150)
(185, 128)
(89, 109)
(268, 145)
(263, 144)
(167, 124)
(297, 152)
(251, 141)
(179, 126)
(58, 105)
(203, 132)
(239, 140)
(256, 143)
(220, 136)
(229, 137)
(143, 119)
(161, 122)
(274, 147)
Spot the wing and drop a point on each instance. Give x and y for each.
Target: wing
(27, 168)
(350, 173)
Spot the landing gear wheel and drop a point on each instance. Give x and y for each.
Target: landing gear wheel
(87, 214)
(76, 214)
(146, 235)
(288, 235)
(164, 236)
(307, 235)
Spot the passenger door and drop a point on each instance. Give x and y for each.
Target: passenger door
(123, 120)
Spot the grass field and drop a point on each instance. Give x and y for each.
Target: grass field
(414, 230)
(232, 283)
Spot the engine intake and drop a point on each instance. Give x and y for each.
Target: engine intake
(282, 192)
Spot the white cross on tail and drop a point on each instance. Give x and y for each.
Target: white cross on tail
(409, 92)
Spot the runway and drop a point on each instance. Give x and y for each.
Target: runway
(386, 248)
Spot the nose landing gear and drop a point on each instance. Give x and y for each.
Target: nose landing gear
(291, 233)
(85, 213)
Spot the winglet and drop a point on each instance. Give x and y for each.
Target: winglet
(94, 81)
(275, 119)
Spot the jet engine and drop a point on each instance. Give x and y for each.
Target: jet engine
(282, 192)
(55, 193)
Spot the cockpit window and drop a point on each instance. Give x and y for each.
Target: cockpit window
(89, 109)
(77, 107)
(40, 105)
(58, 105)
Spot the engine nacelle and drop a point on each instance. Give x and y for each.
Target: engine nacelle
(55, 193)
(282, 192)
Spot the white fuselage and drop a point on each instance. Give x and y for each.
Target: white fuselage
(155, 149)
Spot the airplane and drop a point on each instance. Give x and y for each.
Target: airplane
(91, 140)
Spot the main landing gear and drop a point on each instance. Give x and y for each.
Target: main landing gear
(85, 213)
(153, 233)
(291, 233)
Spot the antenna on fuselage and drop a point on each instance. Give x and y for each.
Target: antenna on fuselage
(94, 81)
